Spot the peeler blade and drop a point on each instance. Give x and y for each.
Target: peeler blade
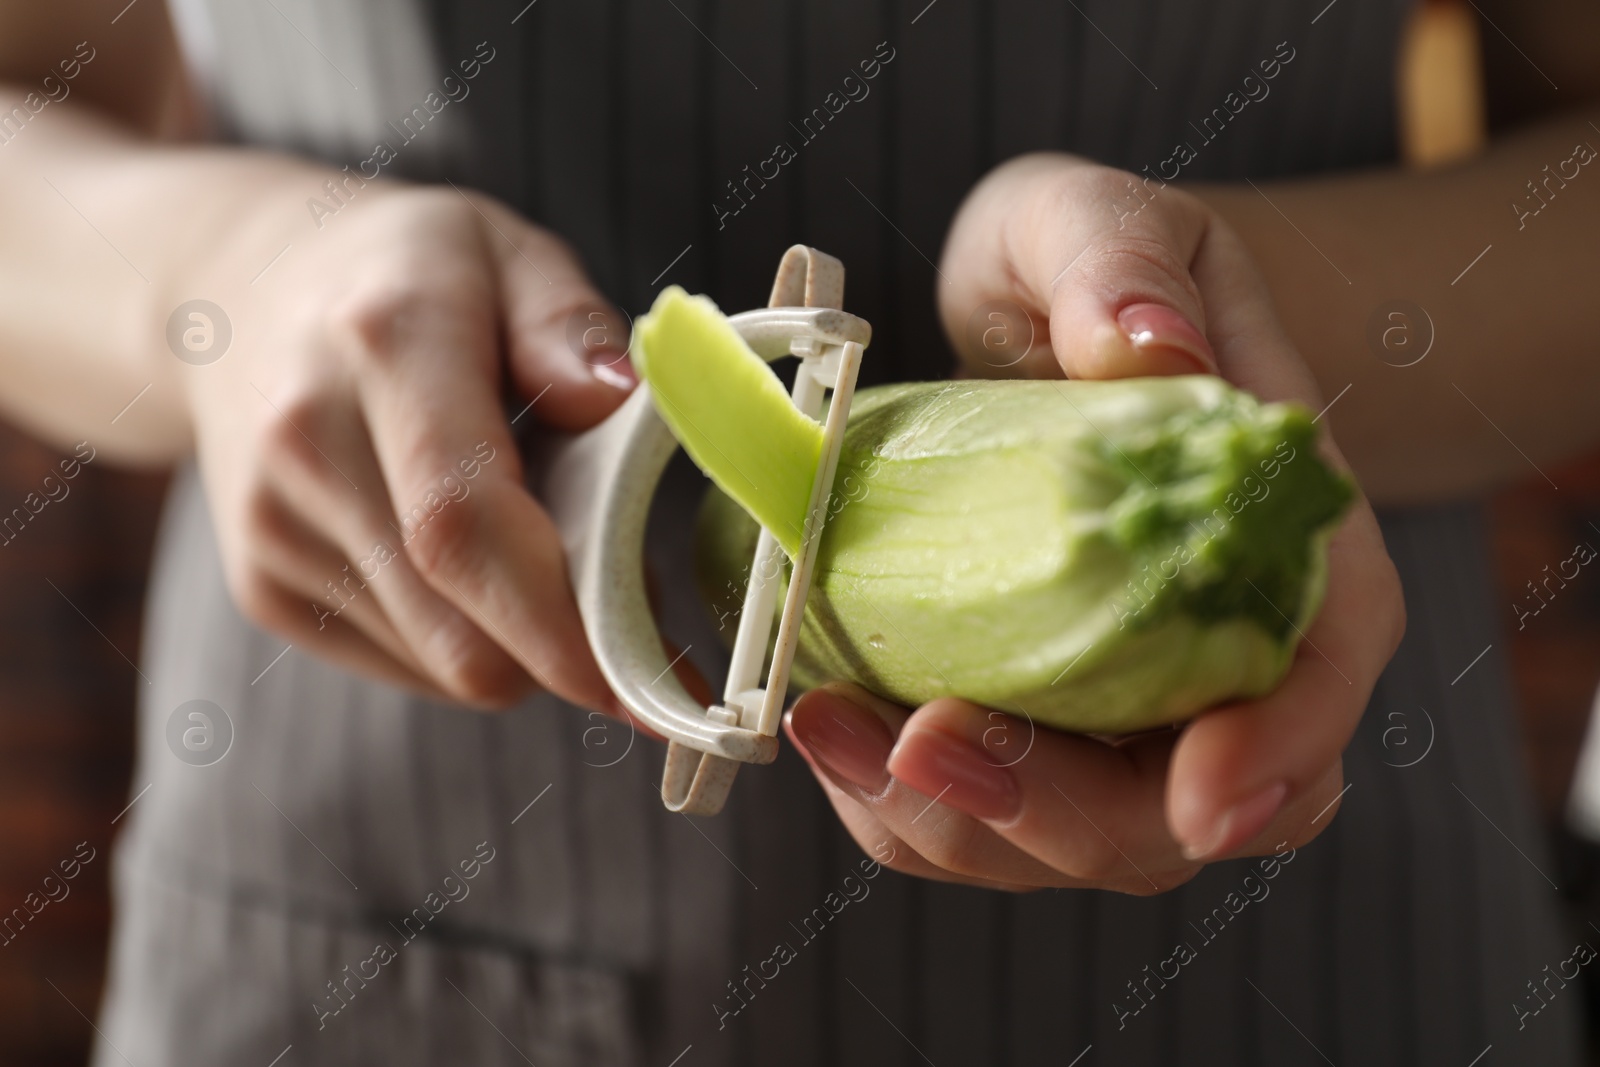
(598, 487)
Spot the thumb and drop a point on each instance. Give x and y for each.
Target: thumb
(1106, 269)
(567, 345)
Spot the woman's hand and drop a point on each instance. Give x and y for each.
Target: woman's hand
(366, 490)
(1053, 247)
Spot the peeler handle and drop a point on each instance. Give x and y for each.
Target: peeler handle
(597, 486)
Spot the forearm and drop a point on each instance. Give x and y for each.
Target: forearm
(1515, 335)
(102, 236)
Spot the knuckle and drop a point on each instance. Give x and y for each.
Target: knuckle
(1099, 183)
(430, 201)
(1094, 860)
(1152, 261)
(1094, 190)
(471, 680)
(954, 846)
(1179, 208)
(289, 432)
(484, 677)
(902, 863)
(255, 594)
(447, 546)
(417, 211)
(473, 670)
(898, 863)
(265, 520)
(880, 840)
(376, 313)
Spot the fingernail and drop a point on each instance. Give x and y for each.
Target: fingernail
(1165, 336)
(848, 739)
(954, 772)
(613, 368)
(1240, 823)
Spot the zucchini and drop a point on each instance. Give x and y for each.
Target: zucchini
(1102, 557)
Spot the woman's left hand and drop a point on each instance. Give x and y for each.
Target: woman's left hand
(1054, 247)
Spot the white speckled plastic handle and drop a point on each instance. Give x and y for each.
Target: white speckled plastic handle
(598, 487)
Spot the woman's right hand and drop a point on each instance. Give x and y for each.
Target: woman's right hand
(367, 494)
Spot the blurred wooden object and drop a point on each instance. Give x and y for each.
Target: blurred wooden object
(1443, 119)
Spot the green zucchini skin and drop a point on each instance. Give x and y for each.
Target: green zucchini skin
(1100, 557)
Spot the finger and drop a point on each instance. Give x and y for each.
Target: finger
(431, 399)
(1253, 351)
(1235, 767)
(567, 345)
(1277, 753)
(328, 473)
(1091, 810)
(1114, 285)
(887, 849)
(282, 611)
(882, 844)
(1302, 818)
(851, 732)
(306, 564)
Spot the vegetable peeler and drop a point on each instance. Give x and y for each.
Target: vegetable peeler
(598, 487)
